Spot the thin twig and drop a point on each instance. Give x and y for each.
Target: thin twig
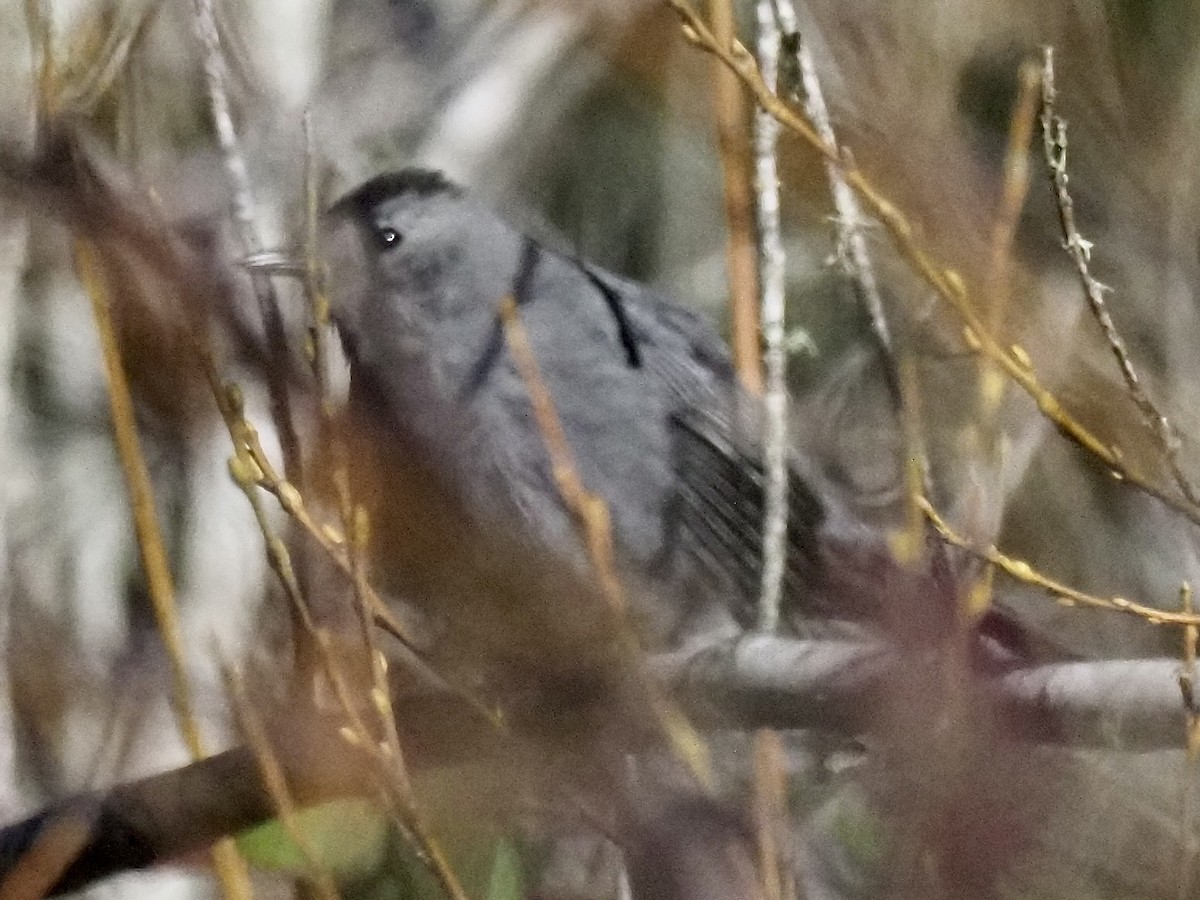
(63, 178)
(772, 311)
(855, 259)
(245, 474)
(387, 758)
(230, 868)
(215, 75)
(314, 283)
(1191, 764)
(998, 286)
(252, 467)
(81, 87)
(908, 544)
(252, 728)
(947, 283)
(41, 40)
(266, 476)
(356, 524)
(591, 512)
(852, 239)
(1014, 190)
(428, 850)
(740, 252)
(1069, 596)
(770, 811)
(1054, 142)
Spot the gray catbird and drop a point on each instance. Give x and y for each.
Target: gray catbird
(652, 413)
(649, 401)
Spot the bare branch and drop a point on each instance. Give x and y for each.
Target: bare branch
(1191, 763)
(1054, 143)
(1068, 596)
(52, 851)
(244, 218)
(765, 681)
(772, 312)
(271, 771)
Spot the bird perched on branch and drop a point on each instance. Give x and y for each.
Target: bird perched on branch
(652, 416)
(425, 285)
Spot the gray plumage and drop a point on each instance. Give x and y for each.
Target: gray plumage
(647, 395)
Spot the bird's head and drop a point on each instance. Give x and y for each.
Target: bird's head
(416, 268)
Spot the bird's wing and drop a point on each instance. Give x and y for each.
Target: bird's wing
(719, 508)
(715, 519)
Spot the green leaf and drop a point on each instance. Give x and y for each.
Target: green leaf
(507, 877)
(347, 838)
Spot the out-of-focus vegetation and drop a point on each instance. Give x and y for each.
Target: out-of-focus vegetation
(592, 124)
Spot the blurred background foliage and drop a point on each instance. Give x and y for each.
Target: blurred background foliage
(591, 122)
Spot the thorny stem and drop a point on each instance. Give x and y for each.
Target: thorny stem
(852, 239)
(1054, 143)
(855, 259)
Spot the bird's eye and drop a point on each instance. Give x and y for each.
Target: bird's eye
(387, 237)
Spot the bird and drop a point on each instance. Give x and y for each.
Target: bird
(418, 272)
(651, 408)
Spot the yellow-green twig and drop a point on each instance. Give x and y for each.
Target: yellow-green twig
(229, 866)
(741, 254)
(1023, 572)
(275, 781)
(592, 514)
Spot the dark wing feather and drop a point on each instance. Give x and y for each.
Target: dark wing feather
(719, 510)
(715, 520)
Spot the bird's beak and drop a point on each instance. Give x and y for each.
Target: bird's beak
(275, 262)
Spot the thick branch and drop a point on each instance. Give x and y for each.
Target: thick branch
(786, 683)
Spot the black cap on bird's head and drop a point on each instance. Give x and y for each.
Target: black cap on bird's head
(415, 265)
(391, 185)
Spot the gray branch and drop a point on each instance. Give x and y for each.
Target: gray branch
(764, 681)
